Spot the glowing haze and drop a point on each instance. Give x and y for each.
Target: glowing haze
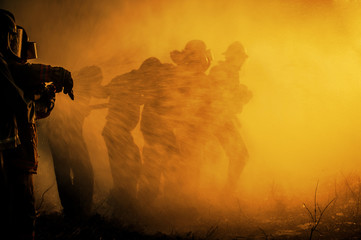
(303, 123)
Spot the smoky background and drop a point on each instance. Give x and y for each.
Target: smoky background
(302, 124)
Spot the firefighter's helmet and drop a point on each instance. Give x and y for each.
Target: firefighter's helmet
(149, 64)
(195, 56)
(236, 49)
(10, 35)
(14, 42)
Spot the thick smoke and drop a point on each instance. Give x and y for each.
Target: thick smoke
(302, 124)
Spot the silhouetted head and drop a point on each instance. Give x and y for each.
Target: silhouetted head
(7, 21)
(195, 56)
(92, 74)
(148, 74)
(88, 79)
(236, 54)
(150, 64)
(8, 32)
(14, 44)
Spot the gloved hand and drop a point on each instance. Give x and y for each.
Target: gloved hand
(64, 81)
(68, 84)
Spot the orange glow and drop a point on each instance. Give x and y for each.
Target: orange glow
(303, 123)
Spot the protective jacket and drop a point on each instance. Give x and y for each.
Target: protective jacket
(11, 96)
(31, 80)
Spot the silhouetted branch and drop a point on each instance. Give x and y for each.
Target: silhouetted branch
(316, 219)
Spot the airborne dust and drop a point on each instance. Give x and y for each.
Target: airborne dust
(302, 125)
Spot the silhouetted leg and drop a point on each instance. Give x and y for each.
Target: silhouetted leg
(162, 175)
(191, 149)
(5, 206)
(83, 176)
(235, 149)
(20, 203)
(151, 171)
(24, 214)
(124, 160)
(62, 167)
(159, 150)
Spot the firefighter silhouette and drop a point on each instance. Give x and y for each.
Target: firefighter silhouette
(73, 169)
(191, 110)
(125, 101)
(27, 94)
(228, 98)
(160, 145)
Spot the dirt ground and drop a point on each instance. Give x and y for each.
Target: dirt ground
(340, 220)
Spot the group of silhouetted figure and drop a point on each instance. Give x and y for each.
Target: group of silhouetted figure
(179, 107)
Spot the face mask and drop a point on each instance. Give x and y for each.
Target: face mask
(20, 45)
(15, 42)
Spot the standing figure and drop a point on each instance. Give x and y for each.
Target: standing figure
(160, 145)
(73, 170)
(125, 100)
(228, 98)
(191, 114)
(24, 98)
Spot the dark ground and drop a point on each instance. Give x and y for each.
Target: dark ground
(334, 226)
(55, 226)
(337, 216)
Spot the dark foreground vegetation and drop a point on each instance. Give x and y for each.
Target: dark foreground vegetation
(55, 226)
(336, 216)
(334, 226)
